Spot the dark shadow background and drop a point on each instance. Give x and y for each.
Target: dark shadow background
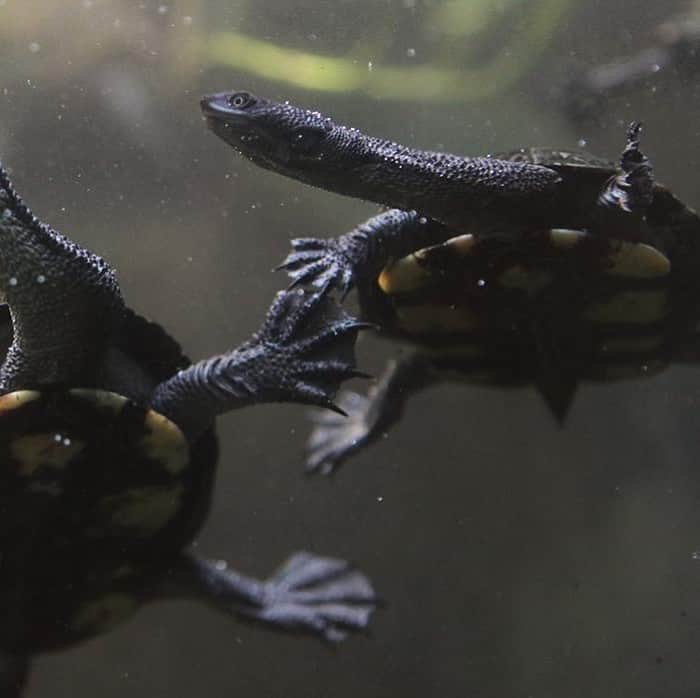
(518, 559)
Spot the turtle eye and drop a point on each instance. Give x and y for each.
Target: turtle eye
(307, 139)
(241, 100)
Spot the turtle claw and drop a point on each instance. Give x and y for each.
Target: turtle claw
(326, 264)
(323, 596)
(334, 438)
(313, 339)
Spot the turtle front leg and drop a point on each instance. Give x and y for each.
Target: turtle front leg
(323, 596)
(304, 350)
(64, 301)
(334, 438)
(358, 256)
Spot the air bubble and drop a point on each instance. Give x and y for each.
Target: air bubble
(481, 283)
(410, 52)
(34, 47)
(12, 281)
(221, 565)
(582, 142)
(40, 279)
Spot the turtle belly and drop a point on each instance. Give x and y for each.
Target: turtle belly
(562, 301)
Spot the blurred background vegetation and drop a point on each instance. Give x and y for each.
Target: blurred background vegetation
(551, 562)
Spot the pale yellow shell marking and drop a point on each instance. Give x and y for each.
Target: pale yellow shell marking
(408, 274)
(50, 450)
(630, 308)
(627, 259)
(144, 510)
(402, 276)
(437, 318)
(103, 613)
(19, 398)
(564, 239)
(631, 260)
(462, 245)
(100, 398)
(165, 443)
(638, 261)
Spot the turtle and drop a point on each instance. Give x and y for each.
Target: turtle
(502, 196)
(597, 291)
(108, 450)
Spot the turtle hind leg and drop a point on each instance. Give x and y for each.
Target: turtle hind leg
(335, 438)
(326, 597)
(632, 190)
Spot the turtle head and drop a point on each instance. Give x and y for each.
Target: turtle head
(298, 143)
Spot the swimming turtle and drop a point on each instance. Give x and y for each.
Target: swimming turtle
(108, 449)
(503, 196)
(596, 284)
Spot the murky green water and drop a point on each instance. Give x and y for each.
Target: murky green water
(517, 558)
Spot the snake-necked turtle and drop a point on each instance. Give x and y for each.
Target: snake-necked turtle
(108, 450)
(575, 297)
(456, 194)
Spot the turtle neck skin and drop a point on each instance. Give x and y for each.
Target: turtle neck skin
(64, 301)
(467, 194)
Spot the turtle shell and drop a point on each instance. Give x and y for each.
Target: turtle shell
(128, 459)
(92, 488)
(493, 308)
(560, 159)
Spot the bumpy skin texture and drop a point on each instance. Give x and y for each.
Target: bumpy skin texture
(69, 322)
(65, 302)
(481, 195)
(631, 195)
(72, 330)
(275, 365)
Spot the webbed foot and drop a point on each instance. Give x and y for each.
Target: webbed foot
(335, 438)
(325, 264)
(319, 595)
(310, 345)
(633, 189)
(302, 353)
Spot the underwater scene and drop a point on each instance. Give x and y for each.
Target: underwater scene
(446, 255)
